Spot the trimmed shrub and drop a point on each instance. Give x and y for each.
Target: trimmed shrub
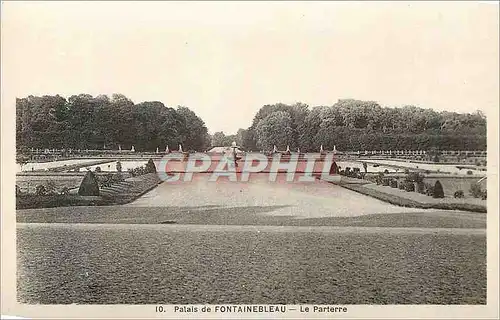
(385, 181)
(407, 171)
(50, 187)
(40, 190)
(334, 168)
(469, 172)
(394, 183)
(475, 190)
(409, 186)
(150, 166)
(458, 194)
(89, 185)
(98, 169)
(118, 166)
(401, 185)
(438, 190)
(421, 187)
(386, 171)
(414, 177)
(429, 189)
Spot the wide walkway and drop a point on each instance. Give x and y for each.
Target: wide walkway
(301, 199)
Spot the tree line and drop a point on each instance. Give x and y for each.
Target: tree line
(362, 125)
(87, 122)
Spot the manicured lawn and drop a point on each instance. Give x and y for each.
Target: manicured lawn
(150, 265)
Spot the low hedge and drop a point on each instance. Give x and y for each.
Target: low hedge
(30, 201)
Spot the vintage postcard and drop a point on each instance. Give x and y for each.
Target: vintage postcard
(249, 159)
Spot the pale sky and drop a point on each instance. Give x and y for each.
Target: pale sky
(225, 60)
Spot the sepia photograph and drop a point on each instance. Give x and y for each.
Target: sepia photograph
(249, 159)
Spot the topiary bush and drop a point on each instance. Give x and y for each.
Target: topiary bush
(385, 182)
(118, 166)
(414, 177)
(421, 187)
(438, 190)
(334, 168)
(89, 185)
(394, 183)
(475, 190)
(98, 169)
(409, 186)
(150, 166)
(401, 185)
(469, 172)
(458, 194)
(429, 189)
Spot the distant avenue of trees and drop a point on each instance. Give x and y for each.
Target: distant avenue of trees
(87, 122)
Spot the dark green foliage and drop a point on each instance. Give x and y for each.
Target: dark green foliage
(458, 194)
(438, 190)
(50, 187)
(118, 166)
(394, 183)
(89, 185)
(83, 121)
(401, 185)
(107, 180)
(484, 195)
(385, 181)
(409, 186)
(429, 189)
(414, 177)
(87, 122)
(421, 187)
(98, 169)
(365, 167)
(150, 166)
(475, 190)
(139, 171)
(40, 190)
(469, 172)
(334, 168)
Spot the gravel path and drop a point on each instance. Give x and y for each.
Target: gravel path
(299, 199)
